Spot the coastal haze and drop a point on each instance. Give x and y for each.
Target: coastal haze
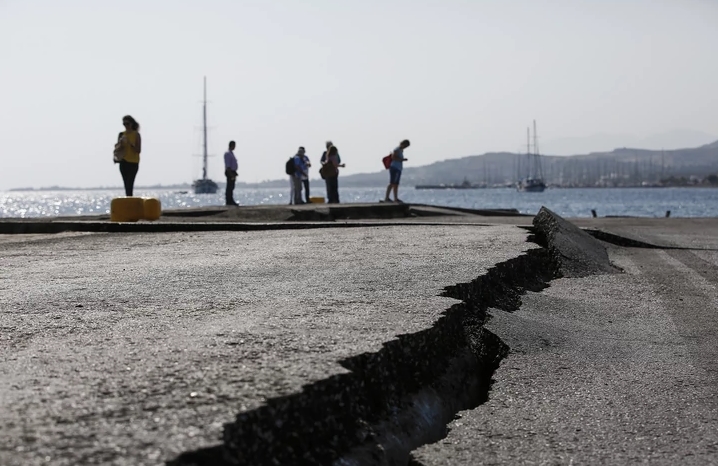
(457, 78)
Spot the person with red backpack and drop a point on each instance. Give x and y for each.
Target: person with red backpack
(395, 168)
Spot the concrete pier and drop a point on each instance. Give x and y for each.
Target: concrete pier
(357, 334)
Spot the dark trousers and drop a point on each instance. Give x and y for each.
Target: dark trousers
(332, 190)
(306, 190)
(229, 192)
(129, 172)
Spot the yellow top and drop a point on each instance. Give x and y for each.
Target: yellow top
(131, 155)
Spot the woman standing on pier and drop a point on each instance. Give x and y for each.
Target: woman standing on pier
(330, 172)
(127, 152)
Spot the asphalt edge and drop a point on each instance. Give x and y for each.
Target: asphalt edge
(171, 227)
(576, 253)
(319, 216)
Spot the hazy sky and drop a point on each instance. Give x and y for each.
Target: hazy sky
(456, 77)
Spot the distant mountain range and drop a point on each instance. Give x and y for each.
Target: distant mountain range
(623, 167)
(669, 140)
(632, 166)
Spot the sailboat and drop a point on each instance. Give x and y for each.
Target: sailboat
(533, 182)
(204, 185)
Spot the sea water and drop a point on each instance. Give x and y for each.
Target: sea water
(577, 202)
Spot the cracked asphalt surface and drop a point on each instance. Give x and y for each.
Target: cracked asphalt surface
(129, 349)
(611, 369)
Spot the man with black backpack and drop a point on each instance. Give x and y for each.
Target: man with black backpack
(296, 169)
(289, 169)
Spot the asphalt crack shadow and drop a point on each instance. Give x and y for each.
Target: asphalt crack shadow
(624, 241)
(616, 240)
(394, 400)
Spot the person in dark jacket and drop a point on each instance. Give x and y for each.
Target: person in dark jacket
(331, 157)
(230, 172)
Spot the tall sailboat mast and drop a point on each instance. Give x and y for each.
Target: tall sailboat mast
(539, 170)
(204, 185)
(528, 140)
(529, 162)
(204, 128)
(534, 173)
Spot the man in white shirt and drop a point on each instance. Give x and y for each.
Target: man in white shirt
(230, 171)
(300, 173)
(305, 177)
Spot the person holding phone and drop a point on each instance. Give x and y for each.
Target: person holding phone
(331, 162)
(397, 165)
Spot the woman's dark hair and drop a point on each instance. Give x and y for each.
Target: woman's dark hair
(332, 151)
(134, 126)
(405, 142)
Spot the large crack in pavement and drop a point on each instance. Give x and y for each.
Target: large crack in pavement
(394, 400)
(403, 396)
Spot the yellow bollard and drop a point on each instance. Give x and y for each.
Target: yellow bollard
(317, 200)
(126, 209)
(152, 208)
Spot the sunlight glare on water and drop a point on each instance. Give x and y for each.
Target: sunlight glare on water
(643, 202)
